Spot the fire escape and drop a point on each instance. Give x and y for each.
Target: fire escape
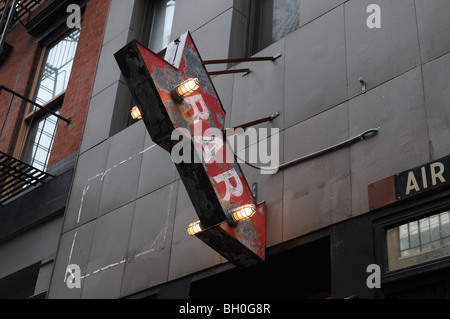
(12, 11)
(16, 175)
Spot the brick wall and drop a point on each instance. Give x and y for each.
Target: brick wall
(17, 73)
(68, 136)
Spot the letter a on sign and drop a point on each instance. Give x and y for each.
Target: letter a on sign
(216, 188)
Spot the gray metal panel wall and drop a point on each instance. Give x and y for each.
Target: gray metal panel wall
(127, 213)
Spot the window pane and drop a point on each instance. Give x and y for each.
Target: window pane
(274, 20)
(54, 78)
(57, 67)
(414, 234)
(162, 24)
(425, 234)
(40, 141)
(445, 224)
(435, 228)
(286, 18)
(404, 237)
(419, 241)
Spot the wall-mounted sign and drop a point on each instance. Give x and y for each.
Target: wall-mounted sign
(422, 178)
(409, 183)
(177, 98)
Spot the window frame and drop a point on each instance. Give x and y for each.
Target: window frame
(255, 27)
(145, 14)
(154, 20)
(406, 211)
(31, 114)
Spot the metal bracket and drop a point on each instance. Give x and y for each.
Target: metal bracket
(256, 122)
(255, 191)
(245, 71)
(360, 137)
(239, 60)
(364, 85)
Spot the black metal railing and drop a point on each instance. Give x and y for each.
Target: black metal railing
(19, 174)
(12, 11)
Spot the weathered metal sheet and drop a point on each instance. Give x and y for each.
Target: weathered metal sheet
(215, 184)
(410, 183)
(243, 245)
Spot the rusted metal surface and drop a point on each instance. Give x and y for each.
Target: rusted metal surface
(381, 193)
(239, 60)
(244, 245)
(256, 122)
(231, 71)
(216, 187)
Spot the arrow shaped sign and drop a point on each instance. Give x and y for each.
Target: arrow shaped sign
(213, 179)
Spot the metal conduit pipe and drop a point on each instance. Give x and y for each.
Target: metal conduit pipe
(368, 133)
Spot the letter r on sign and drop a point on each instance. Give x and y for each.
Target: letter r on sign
(230, 189)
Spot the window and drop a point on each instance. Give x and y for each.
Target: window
(40, 140)
(419, 241)
(50, 88)
(157, 24)
(271, 21)
(163, 12)
(56, 67)
(153, 29)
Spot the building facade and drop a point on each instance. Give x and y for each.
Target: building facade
(361, 208)
(47, 72)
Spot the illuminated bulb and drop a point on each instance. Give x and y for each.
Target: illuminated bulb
(187, 87)
(136, 113)
(243, 213)
(194, 228)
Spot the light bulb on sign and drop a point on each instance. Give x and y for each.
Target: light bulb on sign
(184, 89)
(136, 113)
(194, 228)
(243, 213)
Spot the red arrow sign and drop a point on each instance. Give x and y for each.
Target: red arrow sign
(215, 182)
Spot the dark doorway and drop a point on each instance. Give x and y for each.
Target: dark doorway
(303, 272)
(21, 284)
(423, 285)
